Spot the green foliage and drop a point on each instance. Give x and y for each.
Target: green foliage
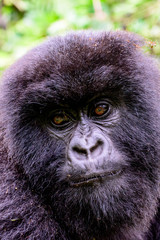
(24, 23)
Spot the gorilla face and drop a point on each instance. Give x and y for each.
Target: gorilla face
(90, 155)
(81, 119)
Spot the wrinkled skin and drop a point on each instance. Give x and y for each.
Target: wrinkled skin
(80, 141)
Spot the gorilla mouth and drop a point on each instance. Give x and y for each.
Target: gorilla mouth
(91, 179)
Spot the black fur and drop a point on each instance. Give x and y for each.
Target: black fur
(35, 200)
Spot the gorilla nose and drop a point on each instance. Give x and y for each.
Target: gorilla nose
(90, 152)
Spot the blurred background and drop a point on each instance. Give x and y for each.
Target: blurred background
(25, 23)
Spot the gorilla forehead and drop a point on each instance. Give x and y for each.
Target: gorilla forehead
(76, 88)
(50, 67)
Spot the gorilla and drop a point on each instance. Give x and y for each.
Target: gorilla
(80, 140)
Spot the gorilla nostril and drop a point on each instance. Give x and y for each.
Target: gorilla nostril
(80, 151)
(89, 152)
(97, 148)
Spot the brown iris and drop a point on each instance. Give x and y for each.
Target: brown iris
(100, 110)
(60, 119)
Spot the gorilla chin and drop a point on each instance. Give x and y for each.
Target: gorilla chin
(80, 140)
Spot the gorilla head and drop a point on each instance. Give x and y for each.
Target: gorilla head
(80, 121)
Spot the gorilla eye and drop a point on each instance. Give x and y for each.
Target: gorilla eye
(101, 109)
(60, 119)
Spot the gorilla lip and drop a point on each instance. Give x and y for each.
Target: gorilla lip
(90, 179)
